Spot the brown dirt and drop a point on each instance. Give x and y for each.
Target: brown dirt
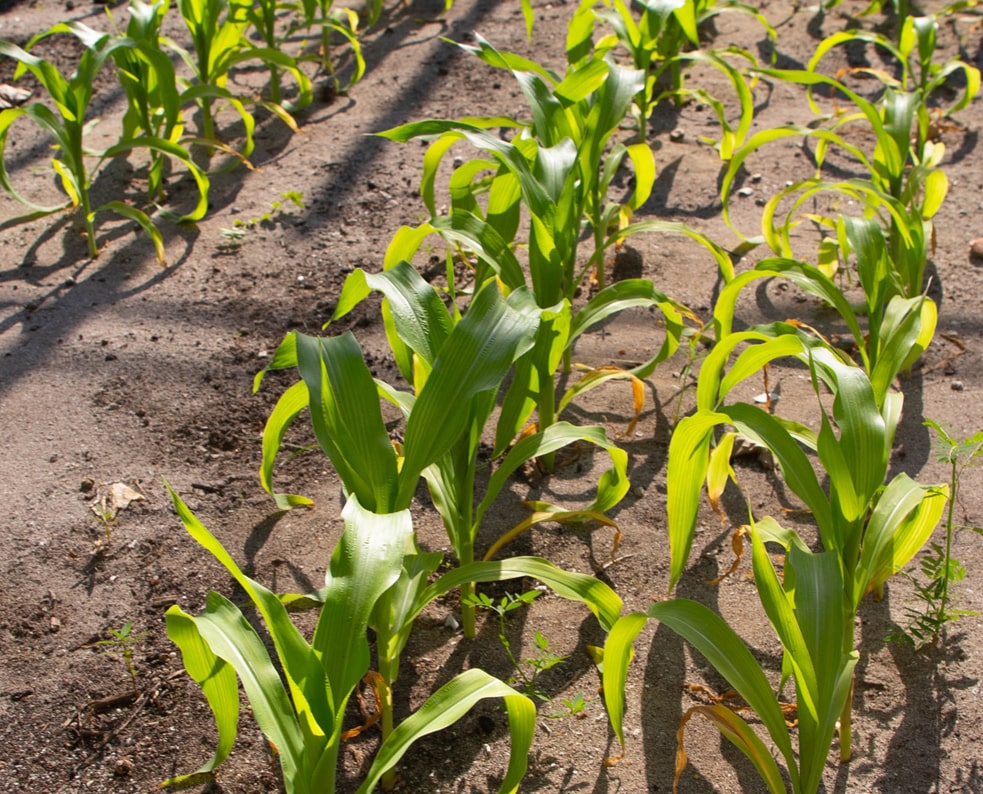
(116, 370)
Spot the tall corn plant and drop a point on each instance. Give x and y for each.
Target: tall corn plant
(458, 369)
(867, 530)
(68, 123)
(455, 365)
(301, 710)
(557, 170)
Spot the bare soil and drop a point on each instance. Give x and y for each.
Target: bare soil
(120, 371)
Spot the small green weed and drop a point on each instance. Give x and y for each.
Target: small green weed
(121, 644)
(527, 671)
(939, 569)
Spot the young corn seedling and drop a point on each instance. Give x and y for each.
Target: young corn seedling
(905, 187)
(456, 365)
(870, 530)
(218, 30)
(342, 21)
(68, 124)
(663, 42)
(147, 77)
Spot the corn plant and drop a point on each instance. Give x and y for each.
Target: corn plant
(558, 169)
(867, 531)
(146, 74)
(218, 31)
(342, 21)
(455, 365)
(872, 528)
(67, 125)
(662, 42)
(301, 711)
(904, 186)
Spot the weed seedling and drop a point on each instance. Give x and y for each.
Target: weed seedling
(940, 570)
(527, 671)
(121, 644)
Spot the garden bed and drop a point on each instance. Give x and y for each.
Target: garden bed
(117, 370)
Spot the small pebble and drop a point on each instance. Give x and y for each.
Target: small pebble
(976, 249)
(676, 136)
(957, 385)
(755, 178)
(744, 192)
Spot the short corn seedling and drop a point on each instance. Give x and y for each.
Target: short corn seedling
(341, 21)
(663, 41)
(872, 529)
(868, 532)
(68, 125)
(218, 30)
(905, 186)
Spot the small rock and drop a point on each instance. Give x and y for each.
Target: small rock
(451, 622)
(957, 385)
(755, 178)
(676, 135)
(744, 192)
(54, 624)
(976, 249)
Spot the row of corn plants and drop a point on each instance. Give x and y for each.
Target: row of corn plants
(161, 101)
(479, 360)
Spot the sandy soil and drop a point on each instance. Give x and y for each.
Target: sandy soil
(119, 371)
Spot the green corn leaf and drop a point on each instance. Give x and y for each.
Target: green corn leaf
(819, 612)
(741, 735)
(900, 524)
(618, 653)
(630, 293)
(602, 601)
(305, 676)
(612, 485)
(445, 707)
(366, 563)
(291, 403)
(230, 637)
(142, 220)
(689, 458)
(347, 418)
(474, 359)
(719, 254)
(795, 466)
(218, 682)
